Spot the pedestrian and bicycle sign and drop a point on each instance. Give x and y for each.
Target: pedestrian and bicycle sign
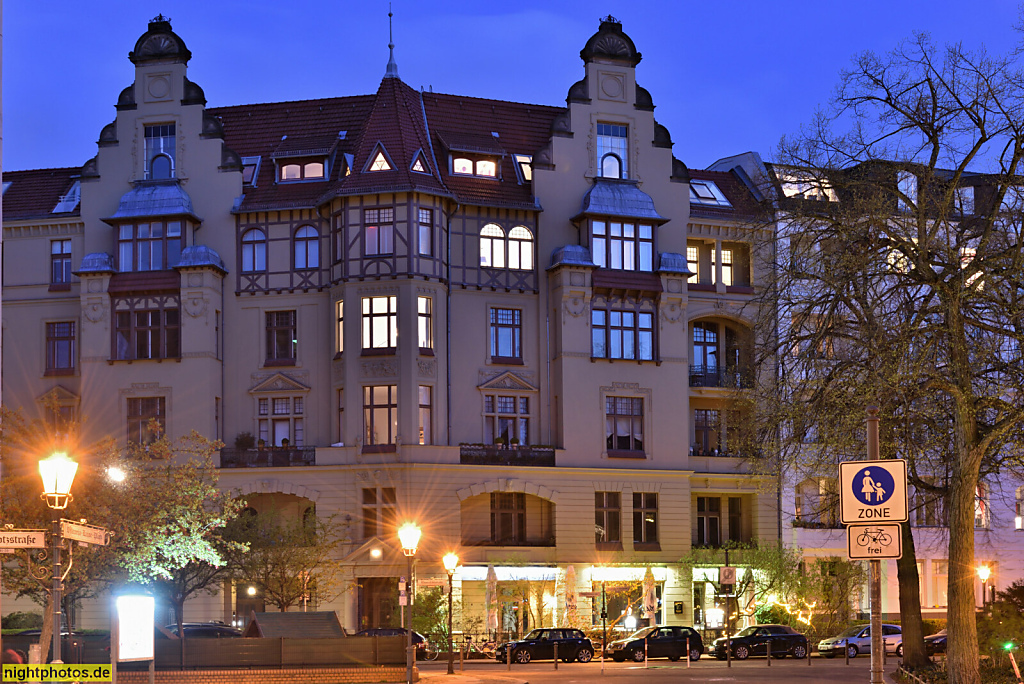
(873, 491)
(874, 541)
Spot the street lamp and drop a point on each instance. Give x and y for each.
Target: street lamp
(58, 472)
(451, 561)
(984, 572)
(409, 536)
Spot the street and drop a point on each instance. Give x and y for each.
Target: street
(783, 671)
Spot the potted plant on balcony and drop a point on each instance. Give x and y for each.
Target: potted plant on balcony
(514, 442)
(500, 441)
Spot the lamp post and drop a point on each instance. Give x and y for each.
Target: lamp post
(451, 561)
(57, 472)
(409, 536)
(983, 574)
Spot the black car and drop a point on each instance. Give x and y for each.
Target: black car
(540, 645)
(661, 642)
(418, 640)
(757, 639)
(936, 643)
(205, 630)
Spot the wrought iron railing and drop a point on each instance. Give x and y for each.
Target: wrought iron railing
(514, 455)
(274, 457)
(716, 376)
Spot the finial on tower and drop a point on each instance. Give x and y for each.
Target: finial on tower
(392, 70)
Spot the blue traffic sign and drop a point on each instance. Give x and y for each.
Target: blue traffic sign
(873, 486)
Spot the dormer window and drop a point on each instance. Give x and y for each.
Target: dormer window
(160, 151)
(708, 194)
(612, 150)
(380, 163)
(524, 167)
(487, 168)
(293, 171)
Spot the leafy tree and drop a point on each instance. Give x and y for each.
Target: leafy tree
(904, 291)
(288, 559)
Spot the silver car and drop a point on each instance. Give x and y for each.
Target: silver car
(855, 640)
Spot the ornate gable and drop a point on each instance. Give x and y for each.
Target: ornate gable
(58, 396)
(278, 382)
(507, 381)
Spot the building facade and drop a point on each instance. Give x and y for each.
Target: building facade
(524, 327)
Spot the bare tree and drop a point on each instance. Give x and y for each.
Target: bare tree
(898, 281)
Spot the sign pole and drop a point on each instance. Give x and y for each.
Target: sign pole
(877, 669)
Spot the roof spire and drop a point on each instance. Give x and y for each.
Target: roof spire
(392, 70)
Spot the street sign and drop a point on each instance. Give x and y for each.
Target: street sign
(87, 534)
(23, 539)
(874, 541)
(727, 575)
(427, 582)
(589, 594)
(873, 491)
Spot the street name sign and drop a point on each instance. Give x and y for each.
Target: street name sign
(22, 539)
(427, 582)
(589, 594)
(87, 534)
(874, 542)
(873, 491)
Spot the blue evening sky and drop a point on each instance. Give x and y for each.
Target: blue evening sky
(726, 76)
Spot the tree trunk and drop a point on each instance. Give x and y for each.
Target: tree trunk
(914, 654)
(179, 617)
(46, 633)
(962, 646)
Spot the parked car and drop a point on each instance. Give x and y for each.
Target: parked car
(418, 640)
(936, 643)
(540, 645)
(756, 640)
(205, 630)
(661, 642)
(855, 640)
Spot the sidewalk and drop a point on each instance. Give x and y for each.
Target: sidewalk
(467, 678)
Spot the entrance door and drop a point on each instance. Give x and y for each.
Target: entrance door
(378, 602)
(281, 428)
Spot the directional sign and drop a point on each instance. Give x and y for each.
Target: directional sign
(88, 534)
(872, 542)
(427, 582)
(23, 539)
(873, 491)
(589, 594)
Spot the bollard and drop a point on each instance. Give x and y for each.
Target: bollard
(462, 658)
(687, 653)
(646, 659)
(808, 654)
(556, 655)
(508, 655)
(769, 652)
(846, 649)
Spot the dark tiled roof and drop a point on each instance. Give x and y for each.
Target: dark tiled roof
(35, 193)
(744, 206)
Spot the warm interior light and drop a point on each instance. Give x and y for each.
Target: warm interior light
(57, 472)
(984, 572)
(451, 561)
(409, 535)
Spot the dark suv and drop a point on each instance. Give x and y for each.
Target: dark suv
(540, 645)
(779, 640)
(661, 642)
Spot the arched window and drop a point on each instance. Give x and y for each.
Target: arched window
(520, 249)
(307, 248)
(492, 246)
(160, 167)
(611, 166)
(254, 251)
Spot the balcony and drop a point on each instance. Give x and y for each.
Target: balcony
(713, 376)
(524, 543)
(273, 457)
(499, 455)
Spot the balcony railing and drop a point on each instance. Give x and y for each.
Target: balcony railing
(546, 542)
(494, 454)
(274, 457)
(714, 376)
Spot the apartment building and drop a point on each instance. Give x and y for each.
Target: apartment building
(524, 327)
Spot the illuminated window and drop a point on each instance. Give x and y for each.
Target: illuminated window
(306, 171)
(492, 246)
(520, 249)
(506, 418)
(426, 323)
(693, 263)
(803, 185)
(380, 163)
(380, 322)
(524, 166)
(283, 424)
(486, 168)
(426, 408)
(380, 414)
(462, 166)
(612, 150)
(727, 267)
(340, 308)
